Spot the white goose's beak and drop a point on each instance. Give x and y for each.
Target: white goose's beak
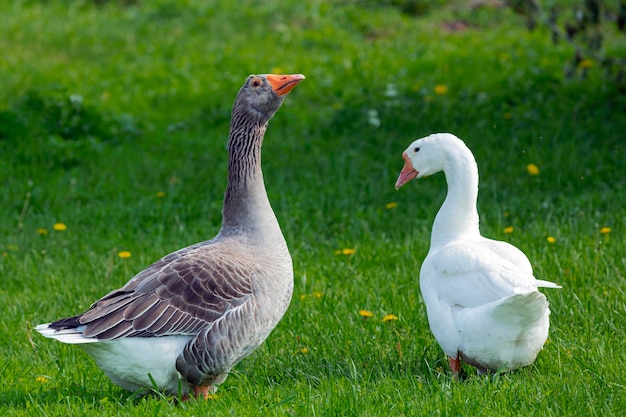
(407, 173)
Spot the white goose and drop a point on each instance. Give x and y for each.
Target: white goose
(187, 319)
(481, 296)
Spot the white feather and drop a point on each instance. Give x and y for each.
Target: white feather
(143, 357)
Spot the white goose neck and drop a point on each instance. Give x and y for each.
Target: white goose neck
(458, 216)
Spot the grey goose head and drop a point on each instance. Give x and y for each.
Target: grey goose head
(261, 96)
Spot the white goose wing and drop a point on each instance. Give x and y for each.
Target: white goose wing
(471, 273)
(472, 289)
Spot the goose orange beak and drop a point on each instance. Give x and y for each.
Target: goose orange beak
(283, 84)
(407, 173)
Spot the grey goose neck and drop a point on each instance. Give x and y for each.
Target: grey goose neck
(246, 206)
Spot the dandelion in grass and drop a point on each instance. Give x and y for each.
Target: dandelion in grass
(160, 194)
(366, 314)
(314, 294)
(303, 351)
(42, 231)
(605, 230)
(391, 205)
(345, 251)
(211, 397)
(441, 89)
(59, 227)
(585, 63)
(42, 379)
(124, 254)
(508, 230)
(390, 317)
(551, 239)
(532, 169)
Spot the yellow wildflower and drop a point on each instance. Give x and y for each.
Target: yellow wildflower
(317, 294)
(42, 379)
(303, 350)
(345, 251)
(365, 313)
(508, 229)
(59, 227)
(551, 239)
(585, 63)
(160, 194)
(42, 231)
(211, 396)
(441, 89)
(532, 169)
(605, 230)
(390, 317)
(124, 254)
(302, 297)
(391, 205)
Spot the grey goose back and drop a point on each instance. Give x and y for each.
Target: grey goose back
(187, 319)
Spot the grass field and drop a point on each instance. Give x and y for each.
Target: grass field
(113, 125)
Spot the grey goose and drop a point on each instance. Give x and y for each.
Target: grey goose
(187, 319)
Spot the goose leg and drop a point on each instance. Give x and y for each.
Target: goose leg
(200, 391)
(455, 366)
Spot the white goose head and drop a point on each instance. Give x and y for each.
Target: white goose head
(429, 155)
(445, 152)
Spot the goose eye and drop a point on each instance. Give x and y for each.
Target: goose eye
(256, 82)
(416, 149)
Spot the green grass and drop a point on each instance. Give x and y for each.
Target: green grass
(104, 106)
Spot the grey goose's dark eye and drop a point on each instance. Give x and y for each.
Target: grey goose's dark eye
(416, 149)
